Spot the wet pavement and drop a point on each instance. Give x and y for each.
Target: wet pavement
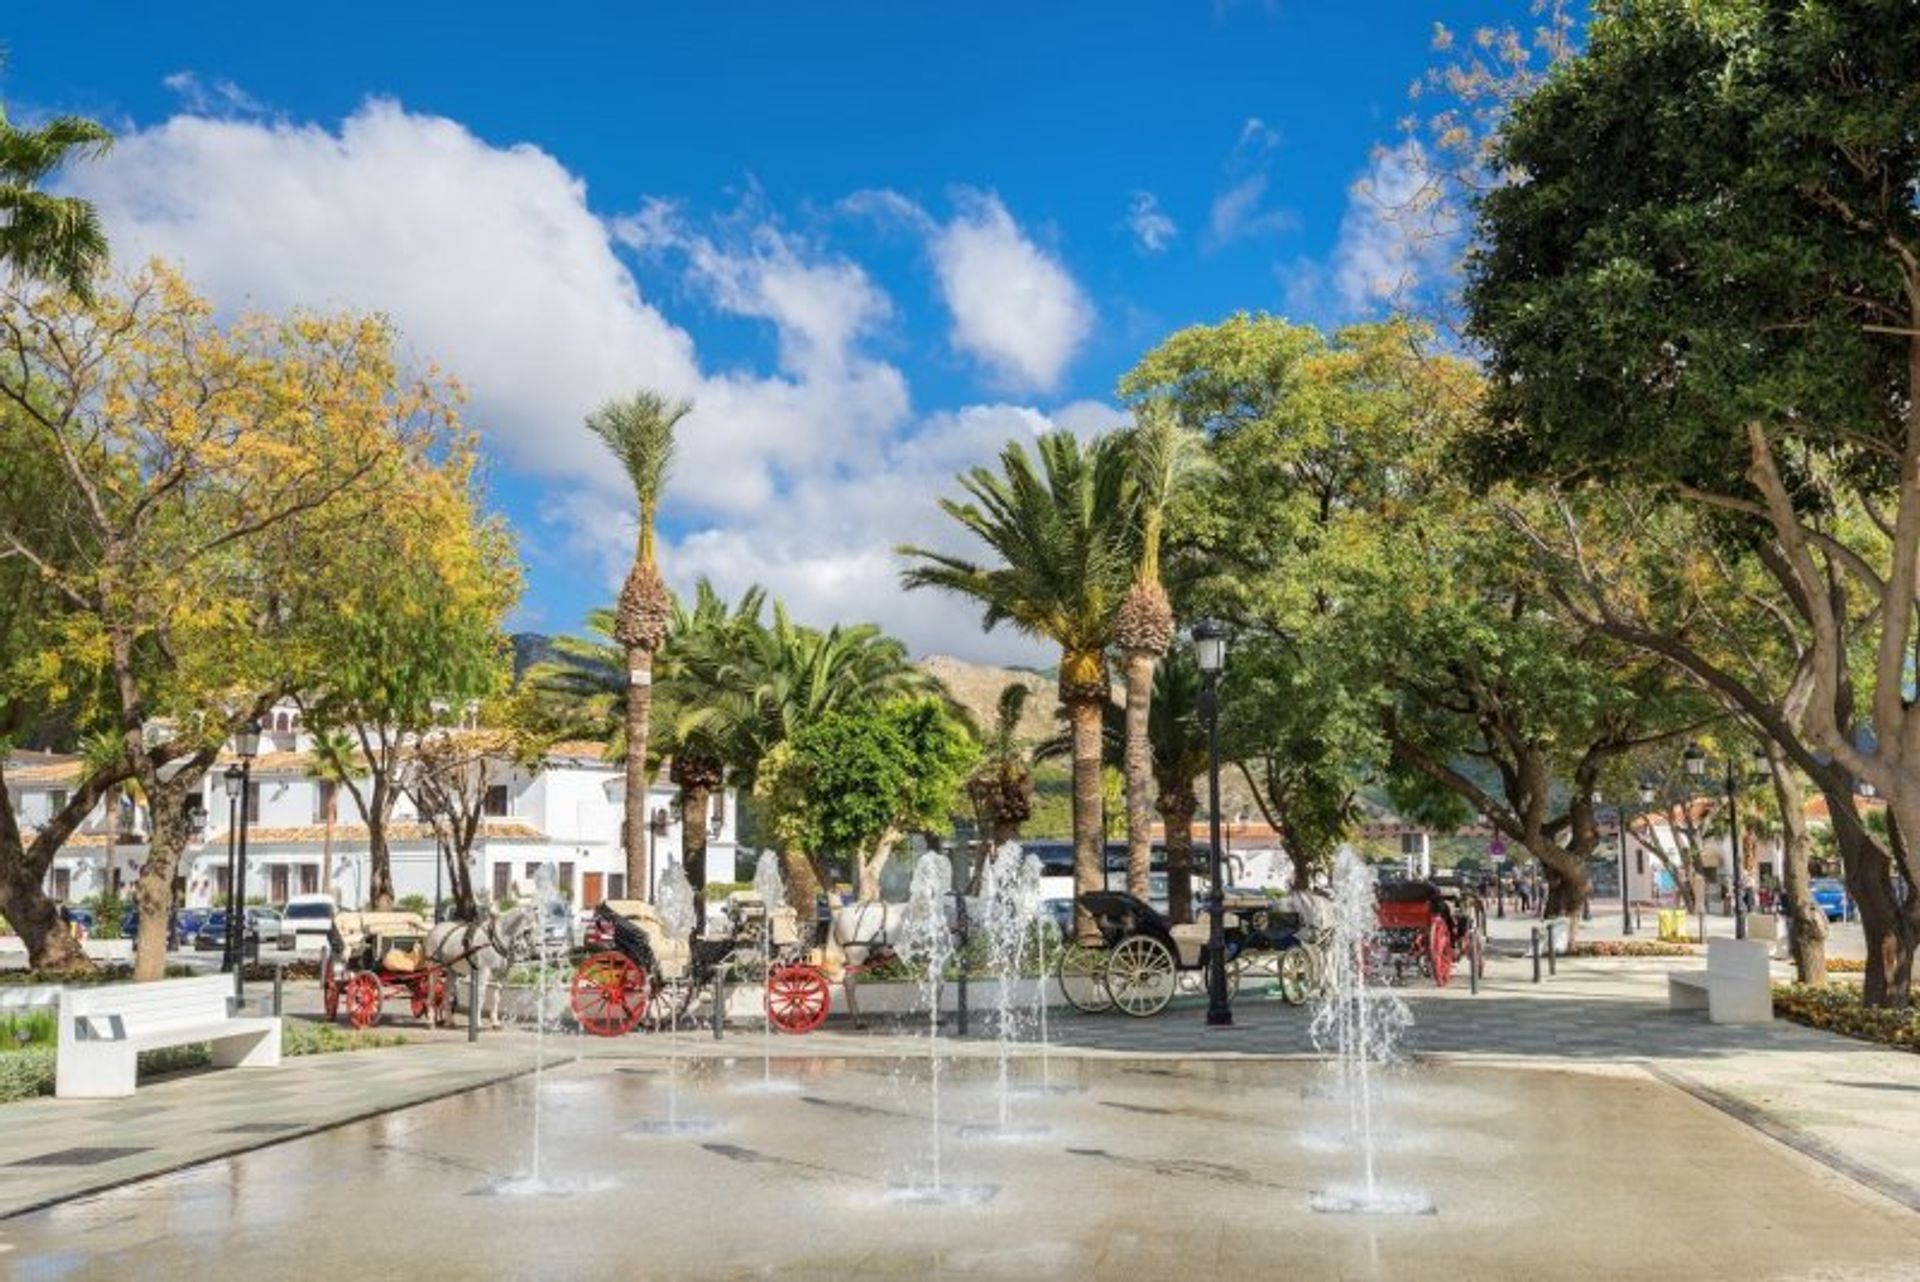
(1124, 1168)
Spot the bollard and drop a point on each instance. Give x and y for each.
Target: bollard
(1535, 932)
(279, 979)
(473, 1004)
(961, 921)
(719, 1001)
(1553, 967)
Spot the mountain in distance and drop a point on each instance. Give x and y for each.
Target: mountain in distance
(977, 686)
(529, 648)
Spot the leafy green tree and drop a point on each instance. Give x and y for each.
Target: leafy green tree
(52, 239)
(1708, 281)
(1065, 541)
(639, 432)
(863, 780)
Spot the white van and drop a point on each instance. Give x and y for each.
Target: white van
(309, 919)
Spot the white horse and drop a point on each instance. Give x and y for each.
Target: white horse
(491, 946)
(868, 934)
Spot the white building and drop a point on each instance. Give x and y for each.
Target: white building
(305, 835)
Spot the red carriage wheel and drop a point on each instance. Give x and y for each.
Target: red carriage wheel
(797, 998)
(440, 999)
(329, 986)
(361, 997)
(1440, 951)
(609, 994)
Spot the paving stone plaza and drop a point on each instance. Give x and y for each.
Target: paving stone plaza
(1571, 1128)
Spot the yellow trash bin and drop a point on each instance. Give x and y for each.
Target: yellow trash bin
(1673, 924)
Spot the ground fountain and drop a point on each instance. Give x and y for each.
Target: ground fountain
(1013, 901)
(1360, 1024)
(927, 941)
(673, 899)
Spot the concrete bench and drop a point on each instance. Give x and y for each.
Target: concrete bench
(103, 1029)
(1733, 989)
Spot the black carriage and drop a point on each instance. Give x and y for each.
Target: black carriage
(1142, 959)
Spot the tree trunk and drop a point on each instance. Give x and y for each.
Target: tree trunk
(1177, 809)
(25, 905)
(1139, 771)
(633, 824)
(803, 886)
(379, 853)
(1089, 830)
(867, 868)
(1806, 924)
(153, 890)
(693, 848)
(1890, 932)
(1567, 884)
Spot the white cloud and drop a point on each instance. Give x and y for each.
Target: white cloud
(1014, 307)
(494, 267)
(1393, 239)
(1088, 419)
(1238, 211)
(1152, 229)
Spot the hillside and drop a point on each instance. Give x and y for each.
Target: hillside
(977, 686)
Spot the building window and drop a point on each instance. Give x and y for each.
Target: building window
(616, 885)
(309, 879)
(566, 879)
(496, 804)
(253, 803)
(325, 797)
(56, 802)
(502, 881)
(1640, 862)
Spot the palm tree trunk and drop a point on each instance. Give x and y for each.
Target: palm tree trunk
(693, 847)
(1139, 771)
(633, 826)
(803, 886)
(1089, 829)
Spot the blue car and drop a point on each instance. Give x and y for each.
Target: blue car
(186, 921)
(1830, 897)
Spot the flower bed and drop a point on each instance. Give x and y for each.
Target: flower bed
(1846, 966)
(1837, 1008)
(1630, 948)
(98, 975)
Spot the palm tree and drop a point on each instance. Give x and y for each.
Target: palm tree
(1001, 787)
(639, 431)
(1167, 456)
(1065, 537)
(54, 239)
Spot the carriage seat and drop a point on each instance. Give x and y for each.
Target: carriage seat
(1191, 939)
(671, 955)
(783, 923)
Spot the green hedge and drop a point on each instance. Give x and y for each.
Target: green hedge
(98, 975)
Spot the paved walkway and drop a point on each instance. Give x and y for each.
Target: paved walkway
(52, 1150)
(1846, 1104)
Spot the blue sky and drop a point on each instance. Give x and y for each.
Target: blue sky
(872, 241)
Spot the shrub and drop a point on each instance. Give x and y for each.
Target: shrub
(1838, 1008)
(98, 975)
(1630, 948)
(415, 903)
(25, 1030)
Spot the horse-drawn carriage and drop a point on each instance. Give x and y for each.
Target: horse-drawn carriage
(372, 956)
(635, 971)
(1143, 959)
(1427, 929)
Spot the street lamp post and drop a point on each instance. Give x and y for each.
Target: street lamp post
(231, 778)
(247, 743)
(1210, 654)
(1696, 763)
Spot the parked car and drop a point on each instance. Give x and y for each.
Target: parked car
(262, 924)
(309, 919)
(184, 921)
(1830, 897)
(77, 917)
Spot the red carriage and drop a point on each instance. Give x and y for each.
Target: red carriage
(635, 972)
(1427, 930)
(373, 956)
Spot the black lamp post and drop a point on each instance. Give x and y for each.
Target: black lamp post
(247, 744)
(657, 824)
(231, 778)
(1696, 763)
(1210, 654)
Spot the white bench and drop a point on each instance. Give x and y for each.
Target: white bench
(103, 1029)
(1733, 989)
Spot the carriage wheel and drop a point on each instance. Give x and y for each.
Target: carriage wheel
(329, 986)
(1297, 980)
(668, 1004)
(609, 994)
(1140, 976)
(361, 997)
(797, 998)
(1082, 974)
(1440, 951)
